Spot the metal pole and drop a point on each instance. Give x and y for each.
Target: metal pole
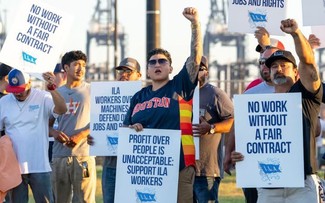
(153, 24)
(115, 33)
(108, 38)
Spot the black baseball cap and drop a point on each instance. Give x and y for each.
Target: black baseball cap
(204, 62)
(58, 68)
(4, 70)
(281, 54)
(129, 63)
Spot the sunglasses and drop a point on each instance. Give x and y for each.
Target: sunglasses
(160, 62)
(261, 61)
(122, 71)
(202, 68)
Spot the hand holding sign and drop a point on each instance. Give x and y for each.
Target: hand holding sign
(49, 78)
(137, 127)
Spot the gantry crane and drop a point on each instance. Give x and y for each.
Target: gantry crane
(216, 33)
(2, 30)
(106, 31)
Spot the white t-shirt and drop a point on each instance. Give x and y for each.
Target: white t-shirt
(319, 139)
(27, 124)
(262, 88)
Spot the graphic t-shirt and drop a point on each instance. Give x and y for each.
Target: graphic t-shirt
(169, 107)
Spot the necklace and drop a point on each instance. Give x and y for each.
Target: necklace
(26, 101)
(21, 107)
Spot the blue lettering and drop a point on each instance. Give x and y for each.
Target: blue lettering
(268, 147)
(35, 9)
(141, 180)
(253, 107)
(274, 106)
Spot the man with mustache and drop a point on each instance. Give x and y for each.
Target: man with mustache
(284, 74)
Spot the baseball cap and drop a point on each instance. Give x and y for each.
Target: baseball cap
(274, 43)
(129, 63)
(204, 61)
(58, 68)
(280, 54)
(17, 81)
(4, 70)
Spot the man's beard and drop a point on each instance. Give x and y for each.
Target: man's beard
(279, 79)
(265, 77)
(202, 80)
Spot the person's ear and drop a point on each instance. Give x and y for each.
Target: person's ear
(29, 84)
(296, 74)
(171, 69)
(65, 67)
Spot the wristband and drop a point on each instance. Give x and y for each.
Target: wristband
(195, 25)
(51, 87)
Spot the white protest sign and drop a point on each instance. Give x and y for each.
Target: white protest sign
(313, 12)
(196, 119)
(147, 165)
(109, 104)
(196, 105)
(245, 15)
(268, 131)
(319, 31)
(35, 39)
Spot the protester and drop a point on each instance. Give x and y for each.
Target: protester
(6, 150)
(60, 75)
(284, 74)
(253, 83)
(264, 43)
(4, 70)
(314, 42)
(266, 86)
(177, 93)
(10, 176)
(74, 171)
(216, 117)
(25, 113)
(128, 70)
(59, 80)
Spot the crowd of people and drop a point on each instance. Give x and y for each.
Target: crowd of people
(64, 171)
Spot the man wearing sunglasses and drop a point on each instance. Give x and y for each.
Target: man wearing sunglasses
(216, 117)
(128, 70)
(266, 86)
(167, 104)
(266, 46)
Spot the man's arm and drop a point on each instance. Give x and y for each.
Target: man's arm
(229, 147)
(223, 126)
(308, 72)
(75, 139)
(263, 37)
(204, 127)
(193, 62)
(59, 103)
(58, 100)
